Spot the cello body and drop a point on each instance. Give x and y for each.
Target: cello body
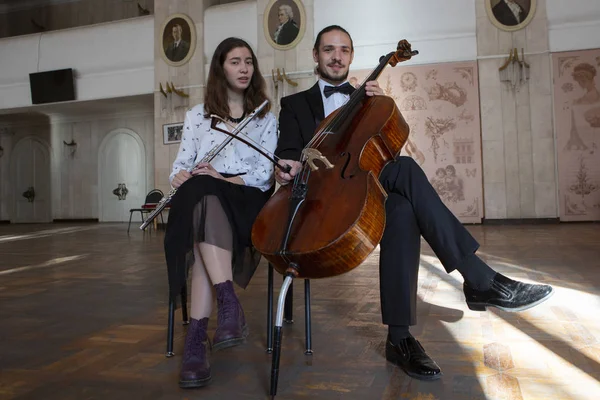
(342, 218)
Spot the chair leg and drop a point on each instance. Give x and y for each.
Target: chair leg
(270, 309)
(288, 316)
(307, 326)
(170, 328)
(184, 310)
(278, 333)
(128, 226)
(162, 221)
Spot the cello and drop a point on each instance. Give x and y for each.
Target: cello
(331, 217)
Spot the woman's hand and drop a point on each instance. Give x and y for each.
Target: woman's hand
(180, 177)
(204, 168)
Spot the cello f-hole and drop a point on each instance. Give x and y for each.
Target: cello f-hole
(348, 157)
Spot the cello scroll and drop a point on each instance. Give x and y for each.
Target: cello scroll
(403, 53)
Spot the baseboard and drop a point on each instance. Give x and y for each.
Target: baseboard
(71, 220)
(520, 221)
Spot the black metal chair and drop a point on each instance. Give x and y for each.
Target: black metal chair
(152, 199)
(171, 323)
(288, 312)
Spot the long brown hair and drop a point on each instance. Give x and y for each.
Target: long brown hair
(215, 97)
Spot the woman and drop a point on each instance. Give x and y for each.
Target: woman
(215, 205)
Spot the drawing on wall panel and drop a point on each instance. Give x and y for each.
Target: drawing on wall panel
(436, 129)
(565, 63)
(583, 185)
(592, 117)
(449, 92)
(388, 90)
(466, 73)
(577, 121)
(574, 142)
(466, 116)
(413, 103)
(472, 209)
(431, 74)
(567, 87)
(445, 134)
(464, 151)
(448, 184)
(408, 81)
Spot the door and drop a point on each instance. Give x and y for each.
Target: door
(122, 175)
(31, 174)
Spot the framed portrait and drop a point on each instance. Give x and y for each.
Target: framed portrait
(177, 39)
(172, 133)
(284, 23)
(510, 15)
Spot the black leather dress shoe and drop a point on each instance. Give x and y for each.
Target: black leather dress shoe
(507, 295)
(411, 357)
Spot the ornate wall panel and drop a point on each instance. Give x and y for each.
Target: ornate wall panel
(440, 102)
(577, 116)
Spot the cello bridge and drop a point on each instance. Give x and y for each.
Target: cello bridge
(311, 155)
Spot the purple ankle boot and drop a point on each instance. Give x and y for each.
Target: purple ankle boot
(195, 369)
(231, 323)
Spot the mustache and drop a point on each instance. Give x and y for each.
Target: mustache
(331, 64)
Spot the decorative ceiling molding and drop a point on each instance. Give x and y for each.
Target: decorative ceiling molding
(7, 6)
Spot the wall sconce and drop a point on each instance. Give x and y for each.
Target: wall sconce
(172, 98)
(514, 71)
(280, 77)
(171, 89)
(72, 147)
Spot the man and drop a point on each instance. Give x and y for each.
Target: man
(413, 208)
(509, 12)
(287, 30)
(178, 48)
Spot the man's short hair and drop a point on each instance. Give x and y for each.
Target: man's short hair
(329, 29)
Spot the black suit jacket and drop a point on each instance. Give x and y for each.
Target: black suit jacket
(299, 117)
(505, 16)
(289, 32)
(179, 53)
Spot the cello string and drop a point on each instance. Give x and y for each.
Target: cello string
(347, 108)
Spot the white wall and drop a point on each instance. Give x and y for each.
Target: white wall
(573, 24)
(109, 60)
(441, 30)
(219, 24)
(75, 178)
(376, 27)
(6, 143)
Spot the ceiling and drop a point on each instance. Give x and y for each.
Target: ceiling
(75, 110)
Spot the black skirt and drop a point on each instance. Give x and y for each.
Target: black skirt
(241, 205)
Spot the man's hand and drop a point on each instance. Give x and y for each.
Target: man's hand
(180, 177)
(283, 178)
(372, 88)
(205, 168)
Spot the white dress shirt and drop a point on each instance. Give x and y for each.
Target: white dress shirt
(333, 102)
(236, 158)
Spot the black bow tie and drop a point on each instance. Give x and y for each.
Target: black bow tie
(346, 88)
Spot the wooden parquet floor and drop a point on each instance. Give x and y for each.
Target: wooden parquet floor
(83, 315)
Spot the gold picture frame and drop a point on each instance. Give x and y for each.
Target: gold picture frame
(284, 23)
(503, 17)
(177, 52)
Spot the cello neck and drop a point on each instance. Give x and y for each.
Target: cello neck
(402, 53)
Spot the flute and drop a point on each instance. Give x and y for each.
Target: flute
(207, 158)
